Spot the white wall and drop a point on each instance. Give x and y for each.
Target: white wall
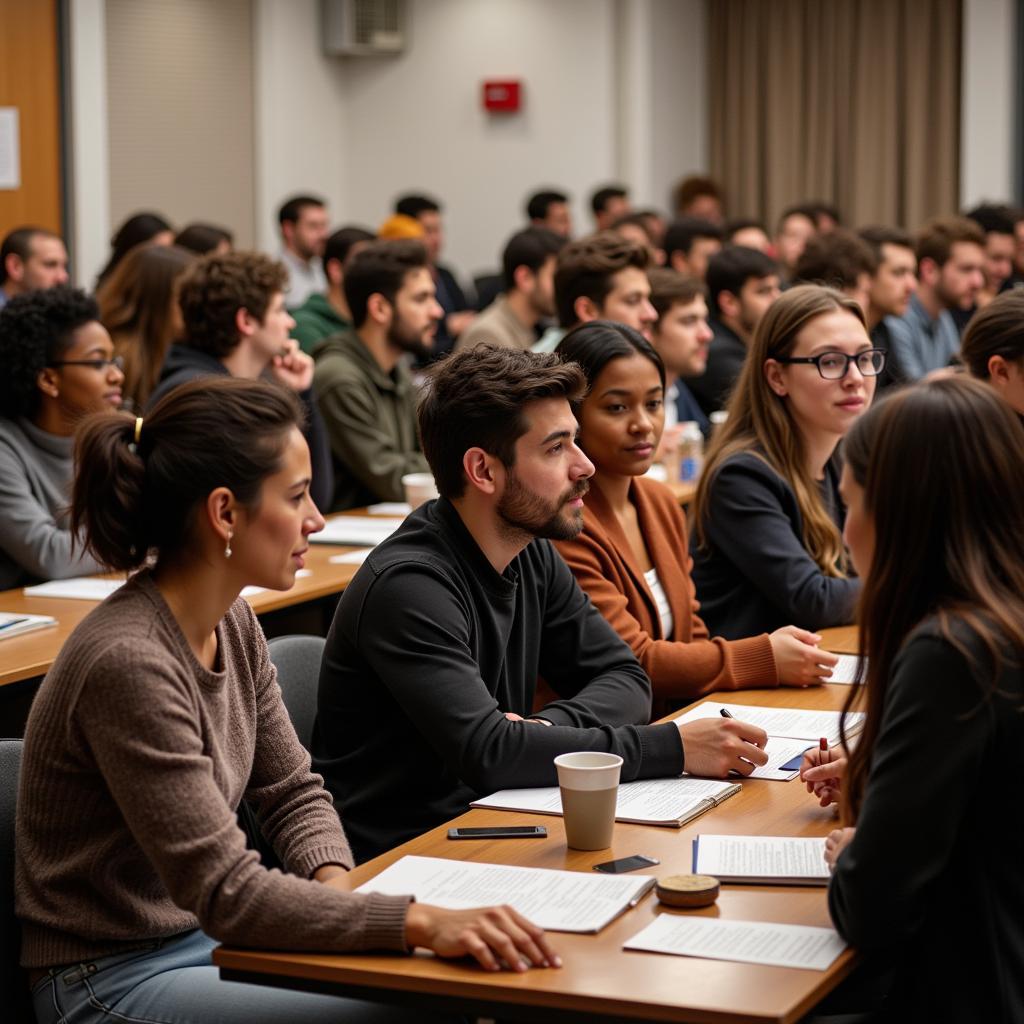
(301, 116)
(89, 173)
(988, 101)
(416, 121)
(613, 89)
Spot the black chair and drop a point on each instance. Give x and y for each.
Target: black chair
(13, 987)
(297, 659)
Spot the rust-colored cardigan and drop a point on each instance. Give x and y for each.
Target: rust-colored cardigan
(688, 664)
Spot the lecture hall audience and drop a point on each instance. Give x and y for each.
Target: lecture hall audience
(163, 713)
(263, 391)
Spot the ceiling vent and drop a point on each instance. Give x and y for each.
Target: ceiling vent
(364, 28)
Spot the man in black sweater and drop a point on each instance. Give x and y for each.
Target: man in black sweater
(429, 676)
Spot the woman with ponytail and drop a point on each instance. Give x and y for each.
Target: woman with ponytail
(162, 713)
(927, 872)
(767, 546)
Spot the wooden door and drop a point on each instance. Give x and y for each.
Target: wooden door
(30, 81)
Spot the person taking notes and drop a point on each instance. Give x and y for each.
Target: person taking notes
(927, 873)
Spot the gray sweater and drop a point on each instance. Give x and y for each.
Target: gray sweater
(36, 472)
(136, 759)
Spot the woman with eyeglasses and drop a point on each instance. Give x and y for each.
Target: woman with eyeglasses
(58, 366)
(767, 543)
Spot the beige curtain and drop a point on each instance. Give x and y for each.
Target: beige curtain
(856, 102)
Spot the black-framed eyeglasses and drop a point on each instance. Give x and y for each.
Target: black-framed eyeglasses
(836, 365)
(96, 364)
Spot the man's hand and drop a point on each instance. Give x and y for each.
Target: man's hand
(798, 659)
(496, 936)
(715, 746)
(835, 844)
(293, 368)
(822, 771)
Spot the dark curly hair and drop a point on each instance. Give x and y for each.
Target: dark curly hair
(216, 287)
(36, 329)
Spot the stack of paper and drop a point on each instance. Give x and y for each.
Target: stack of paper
(747, 942)
(13, 624)
(562, 901)
(761, 860)
(671, 802)
(357, 530)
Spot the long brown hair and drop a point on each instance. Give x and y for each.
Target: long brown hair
(136, 306)
(760, 422)
(955, 552)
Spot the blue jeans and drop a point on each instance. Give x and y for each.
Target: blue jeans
(174, 982)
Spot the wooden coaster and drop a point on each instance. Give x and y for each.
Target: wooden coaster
(688, 890)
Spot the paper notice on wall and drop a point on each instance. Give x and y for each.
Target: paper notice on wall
(10, 150)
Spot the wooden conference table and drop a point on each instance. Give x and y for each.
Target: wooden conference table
(600, 981)
(31, 655)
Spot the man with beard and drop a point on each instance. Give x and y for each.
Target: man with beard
(362, 382)
(304, 226)
(950, 272)
(429, 678)
(528, 271)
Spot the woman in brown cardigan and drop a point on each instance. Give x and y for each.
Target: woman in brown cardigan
(632, 556)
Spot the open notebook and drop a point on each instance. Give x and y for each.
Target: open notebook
(670, 802)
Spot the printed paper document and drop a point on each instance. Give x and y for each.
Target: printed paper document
(769, 860)
(562, 901)
(789, 723)
(747, 942)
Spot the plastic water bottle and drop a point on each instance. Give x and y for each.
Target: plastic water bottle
(691, 450)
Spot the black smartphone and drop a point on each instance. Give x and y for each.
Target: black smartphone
(617, 867)
(499, 832)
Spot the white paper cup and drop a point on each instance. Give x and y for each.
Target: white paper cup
(589, 785)
(419, 487)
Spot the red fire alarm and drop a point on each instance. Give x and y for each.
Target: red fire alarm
(502, 96)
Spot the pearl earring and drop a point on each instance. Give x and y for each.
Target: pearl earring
(227, 547)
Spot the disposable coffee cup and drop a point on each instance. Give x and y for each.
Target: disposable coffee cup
(419, 487)
(589, 783)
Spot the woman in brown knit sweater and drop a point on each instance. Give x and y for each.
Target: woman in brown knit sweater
(631, 558)
(162, 712)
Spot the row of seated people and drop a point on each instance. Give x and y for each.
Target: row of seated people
(161, 713)
(916, 296)
(60, 364)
